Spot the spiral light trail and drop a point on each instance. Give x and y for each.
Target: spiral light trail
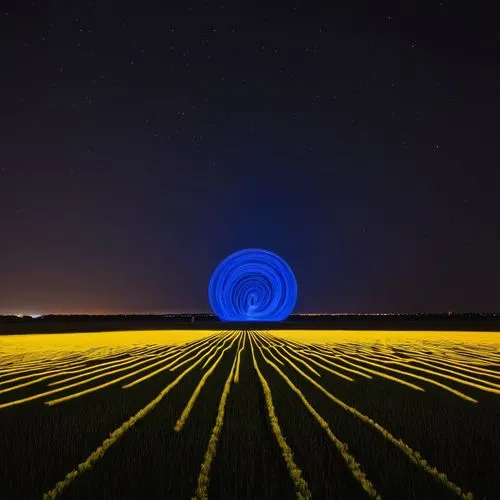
(252, 285)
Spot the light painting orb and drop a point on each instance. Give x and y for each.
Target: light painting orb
(252, 285)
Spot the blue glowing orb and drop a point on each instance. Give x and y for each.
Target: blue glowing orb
(252, 285)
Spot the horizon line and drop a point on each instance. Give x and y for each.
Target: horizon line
(191, 313)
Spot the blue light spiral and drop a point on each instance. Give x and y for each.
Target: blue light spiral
(252, 285)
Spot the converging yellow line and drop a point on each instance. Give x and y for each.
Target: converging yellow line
(99, 452)
(201, 492)
(237, 370)
(187, 410)
(413, 455)
(351, 462)
(302, 490)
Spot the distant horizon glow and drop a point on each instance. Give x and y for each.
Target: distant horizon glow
(94, 312)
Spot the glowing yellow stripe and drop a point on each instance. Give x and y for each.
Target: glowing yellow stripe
(456, 379)
(284, 352)
(26, 384)
(351, 370)
(351, 462)
(86, 391)
(187, 410)
(125, 364)
(413, 455)
(99, 452)
(418, 377)
(384, 375)
(190, 349)
(210, 347)
(457, 365)
(204, 476)
(119, 379)
(334, 372)
(237, 370)
(39, 371)
(301, 487)
(100, 386)
(217, 348)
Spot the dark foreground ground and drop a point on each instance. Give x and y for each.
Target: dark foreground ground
(40, 444)
(91, 323)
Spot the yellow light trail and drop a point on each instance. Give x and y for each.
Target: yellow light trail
(99, 452)
(105, 367)
(352, 464)
(102, 351)
(237, 370)
(119, 379)
(302, 490)
(413, 455)
(309, 360)
(201, 492)
(57, 364)
(187, 410)
(172, 366)
(418, 377)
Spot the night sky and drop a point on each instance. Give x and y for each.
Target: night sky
(142, 143)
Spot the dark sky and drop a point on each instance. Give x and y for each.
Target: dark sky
(141, 143)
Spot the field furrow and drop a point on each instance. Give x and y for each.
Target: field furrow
(245, 414)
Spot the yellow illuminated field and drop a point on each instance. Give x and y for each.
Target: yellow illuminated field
(325, 368)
